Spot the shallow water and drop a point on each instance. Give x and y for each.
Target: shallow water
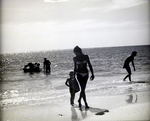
(21, 89)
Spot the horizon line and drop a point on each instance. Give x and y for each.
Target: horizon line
(3, 53)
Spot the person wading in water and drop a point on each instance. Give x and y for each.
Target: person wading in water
(127, 67)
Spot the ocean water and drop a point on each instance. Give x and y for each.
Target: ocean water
(21, 89)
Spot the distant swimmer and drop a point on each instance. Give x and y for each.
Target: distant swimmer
(72, 83)
(47, 65)
(127, 67)
(81, 71)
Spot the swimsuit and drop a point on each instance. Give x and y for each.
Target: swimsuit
(82, 74)
(82, 65)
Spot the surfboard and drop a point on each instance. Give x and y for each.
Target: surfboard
(102, 112)
(138, 81)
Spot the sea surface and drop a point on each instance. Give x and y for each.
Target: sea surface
(22, 89)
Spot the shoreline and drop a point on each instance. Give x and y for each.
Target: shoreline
(118, 106)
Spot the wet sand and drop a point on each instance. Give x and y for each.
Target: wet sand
(121, 107)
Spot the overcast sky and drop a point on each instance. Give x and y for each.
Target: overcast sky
(35, 25)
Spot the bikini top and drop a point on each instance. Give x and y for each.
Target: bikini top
(81, 64)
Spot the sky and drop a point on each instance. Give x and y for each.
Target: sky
(42, 25)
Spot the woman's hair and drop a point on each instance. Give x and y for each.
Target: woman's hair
(77, 49)
(134, 53)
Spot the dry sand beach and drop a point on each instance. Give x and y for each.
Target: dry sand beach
(119, 109)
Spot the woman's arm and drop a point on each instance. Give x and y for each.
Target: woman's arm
(75, 67)
(91, 68)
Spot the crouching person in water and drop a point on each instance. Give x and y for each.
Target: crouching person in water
(73, 86)
(127, 67)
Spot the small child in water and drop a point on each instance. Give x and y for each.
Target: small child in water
(73, 86)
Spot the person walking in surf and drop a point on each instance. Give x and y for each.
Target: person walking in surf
(80, 69)
(127, 67)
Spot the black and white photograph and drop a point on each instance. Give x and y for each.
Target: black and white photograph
(74, 60)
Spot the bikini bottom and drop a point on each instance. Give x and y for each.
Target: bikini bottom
(83, 74)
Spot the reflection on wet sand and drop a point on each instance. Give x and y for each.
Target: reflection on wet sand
(131, 97)
(83, 114)
(74, 116)
(82, 111)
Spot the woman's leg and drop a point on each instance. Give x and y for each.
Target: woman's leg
(79, 77)
(82, 81)
(84, 95)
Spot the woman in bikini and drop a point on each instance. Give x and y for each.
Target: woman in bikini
(81, 71)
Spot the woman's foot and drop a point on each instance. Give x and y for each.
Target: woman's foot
(72, 103)
(86, 106)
